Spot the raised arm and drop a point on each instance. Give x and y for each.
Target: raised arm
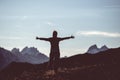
(45, 39)
(67, 38)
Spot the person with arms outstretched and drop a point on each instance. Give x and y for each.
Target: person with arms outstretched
(54, 51)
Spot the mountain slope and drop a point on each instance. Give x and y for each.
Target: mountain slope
(102, 66)
(6, 57)
(29, 55)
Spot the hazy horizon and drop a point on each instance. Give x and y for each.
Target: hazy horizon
(90, 21)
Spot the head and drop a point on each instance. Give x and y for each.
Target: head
(54, 33)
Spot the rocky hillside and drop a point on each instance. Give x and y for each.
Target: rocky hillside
(102, 66)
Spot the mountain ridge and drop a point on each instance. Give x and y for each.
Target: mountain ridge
(102, 66)
(94, 49)
(30, 55)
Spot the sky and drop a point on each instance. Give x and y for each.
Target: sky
(90, 21)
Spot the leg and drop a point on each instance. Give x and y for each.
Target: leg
(50, 64)
(57, 59)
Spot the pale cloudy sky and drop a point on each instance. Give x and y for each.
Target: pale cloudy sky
(90, 21)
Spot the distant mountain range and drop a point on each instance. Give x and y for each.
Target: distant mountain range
(29, 55)
(94, 49)
(104, 65)
(33, 56)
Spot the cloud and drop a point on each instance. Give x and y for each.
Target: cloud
(24, 17)
(10, 38)
(16, 17)
(112, 6)
(51, 24)
(98, 33)
(55, 26)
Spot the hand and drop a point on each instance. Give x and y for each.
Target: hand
(72, 37)
(37, 38)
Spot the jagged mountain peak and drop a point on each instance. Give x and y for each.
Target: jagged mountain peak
(94, 46)
(15, 50)
(30, 50)
(103, 48)
(28, 54)
(94, 49)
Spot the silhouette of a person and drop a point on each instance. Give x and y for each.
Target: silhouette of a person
(54, 51)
